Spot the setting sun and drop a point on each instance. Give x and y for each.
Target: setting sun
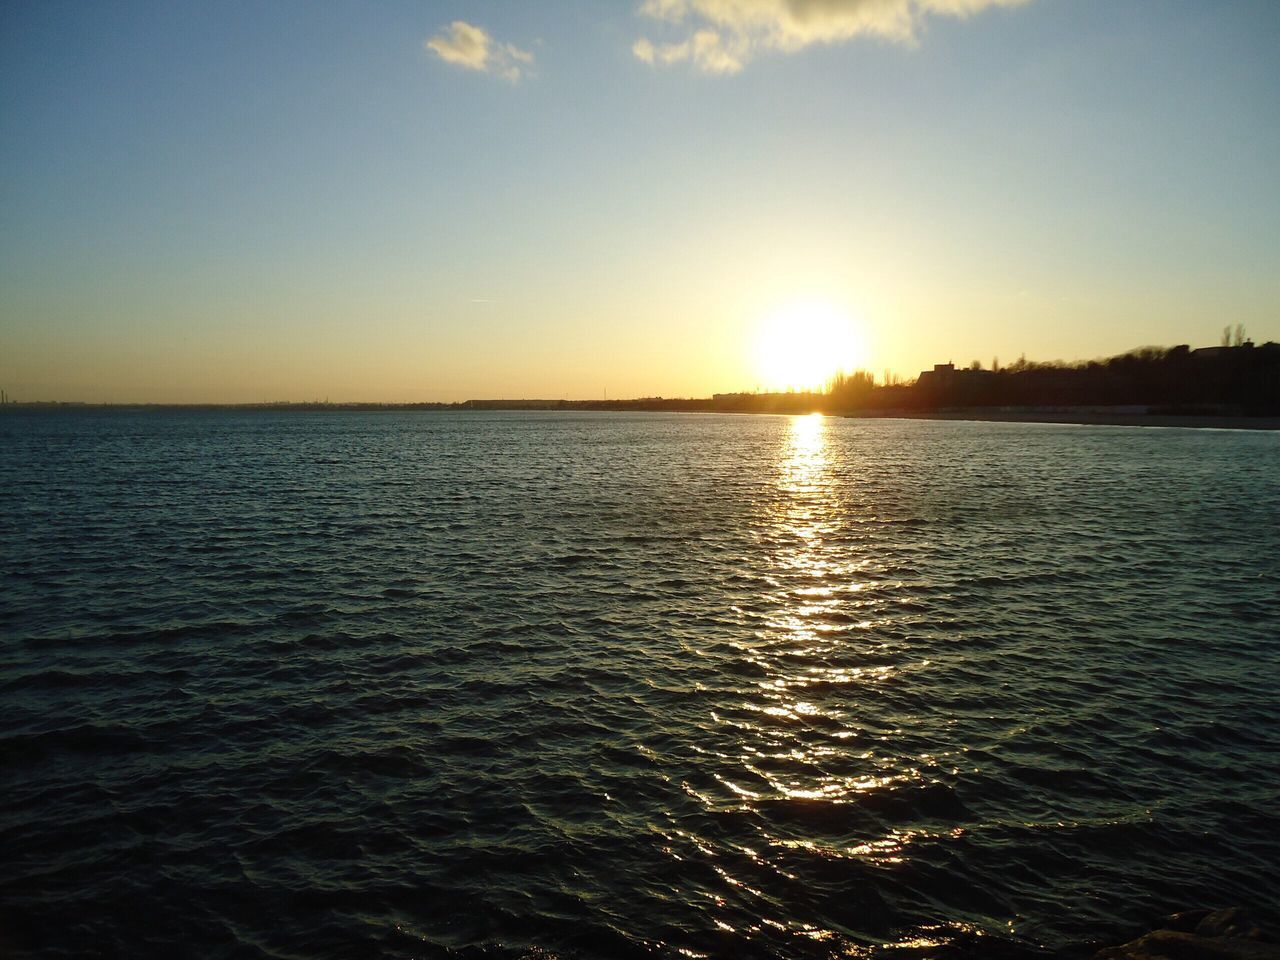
(804, 343)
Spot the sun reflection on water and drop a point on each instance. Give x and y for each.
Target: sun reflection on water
(794, 737)
(794, 730)
(811, 687)
(803, 473)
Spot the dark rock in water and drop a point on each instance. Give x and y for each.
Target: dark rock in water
(1232, 922)
(1175, 945)
(1186, 921)
(1199, 935)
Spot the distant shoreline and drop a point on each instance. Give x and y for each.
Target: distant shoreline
(1090, 417)
(1085, 416)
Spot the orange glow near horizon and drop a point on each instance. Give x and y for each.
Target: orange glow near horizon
(804, 343)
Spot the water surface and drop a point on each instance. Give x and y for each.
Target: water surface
(407, 685)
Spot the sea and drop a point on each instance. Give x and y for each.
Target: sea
(593, 685)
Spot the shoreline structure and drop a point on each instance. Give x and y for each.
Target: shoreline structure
(1127, 416)
(1228, 387)
(1080, 416)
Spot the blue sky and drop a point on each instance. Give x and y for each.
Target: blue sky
(282, 201)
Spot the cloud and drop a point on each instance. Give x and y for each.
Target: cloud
(704, 48)
(473, 48)
(721, 36)
(644, 50)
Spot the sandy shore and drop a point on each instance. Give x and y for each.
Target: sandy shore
(1091, 417)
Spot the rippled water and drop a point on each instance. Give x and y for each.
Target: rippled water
(404, 685)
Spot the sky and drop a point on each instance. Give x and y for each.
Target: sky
(237, 202)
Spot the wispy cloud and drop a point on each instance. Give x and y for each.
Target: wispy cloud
(722, 36)
(474, 48)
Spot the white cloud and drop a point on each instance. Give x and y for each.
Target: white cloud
(473, 48)
(721, 36)
(644, 50)
(706, 49)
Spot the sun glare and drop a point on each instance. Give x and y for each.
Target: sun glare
(804, 344)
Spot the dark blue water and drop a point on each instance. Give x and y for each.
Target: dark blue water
(487, 685)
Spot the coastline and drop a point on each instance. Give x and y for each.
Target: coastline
(780, 405)
(1079, 417)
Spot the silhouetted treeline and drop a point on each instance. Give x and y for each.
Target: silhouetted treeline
(1240, 379)
(1229, 380)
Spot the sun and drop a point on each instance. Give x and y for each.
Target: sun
(803, 344)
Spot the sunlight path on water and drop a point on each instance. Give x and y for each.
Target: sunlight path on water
(792, 741)
(484, 686)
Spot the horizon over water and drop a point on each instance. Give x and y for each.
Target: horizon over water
(491, 685)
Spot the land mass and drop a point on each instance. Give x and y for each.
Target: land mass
(1227, 386)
